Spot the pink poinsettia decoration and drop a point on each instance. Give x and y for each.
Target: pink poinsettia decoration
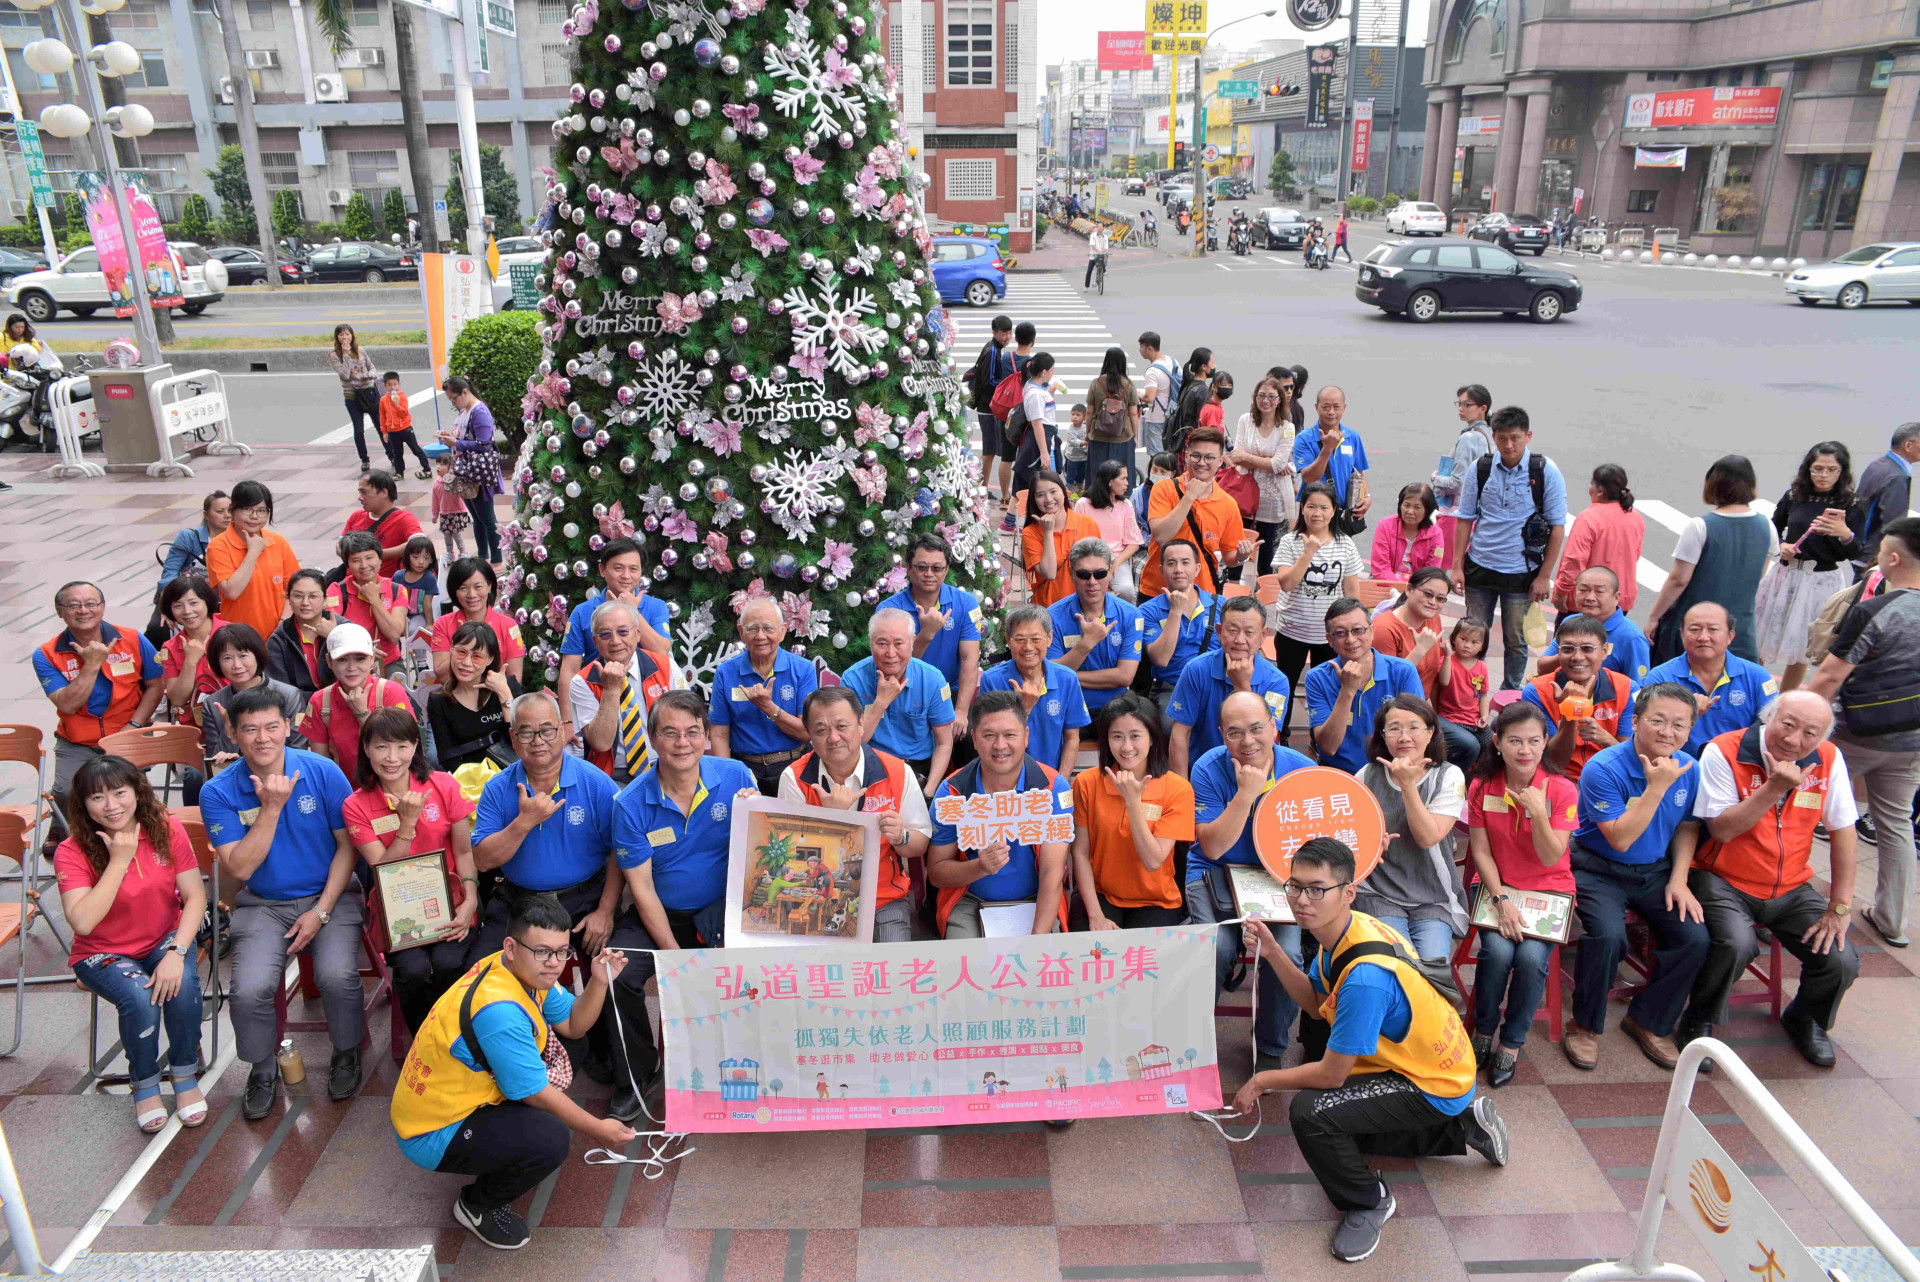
(615, 525)
(679, 525)
(717, 556)
(839, 72)
(623, 159)
(894, 580)
(719, 188)
(924, 239)
(740, 114)
(765, 241)
(720, 435)
(811, 362)
(873, 423)
(869, 193)
(837, 558)
(754, 591)
(678, 311)
(884, 161)
(807, 167)
(545, 394)
(872, 482)
(914, 439)
(557, 613)
(620, 206)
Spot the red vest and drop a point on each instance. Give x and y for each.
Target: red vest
(1612, 695)
(122, 671)
(886, 777)
(1770, 858)
(966, 782)
(651, 676)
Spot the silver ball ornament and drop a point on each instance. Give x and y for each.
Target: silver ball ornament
(689, 492)
(746, 561)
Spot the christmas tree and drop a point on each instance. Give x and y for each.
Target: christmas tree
(746, 367)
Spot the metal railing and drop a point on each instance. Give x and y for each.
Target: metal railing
(193, 405)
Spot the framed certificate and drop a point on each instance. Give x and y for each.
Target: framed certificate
(1258, 894)
(412, 901)
(1544, 914)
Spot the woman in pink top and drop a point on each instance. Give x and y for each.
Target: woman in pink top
(1411, 541)
(1113, 517)
(1608, 533)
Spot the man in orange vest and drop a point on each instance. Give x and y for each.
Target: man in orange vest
(101, 679)
(843, 773)
(1579, 674)
(1762, 791)
(1397, 1076)
(612, 695)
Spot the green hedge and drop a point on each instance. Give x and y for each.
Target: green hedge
(499, 353)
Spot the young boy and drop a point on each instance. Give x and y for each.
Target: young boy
(1073, 449)
(396, 427)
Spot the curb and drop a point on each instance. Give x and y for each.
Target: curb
(309, 295)
(410, 357)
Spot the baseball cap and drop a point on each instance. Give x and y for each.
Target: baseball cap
(349, 638)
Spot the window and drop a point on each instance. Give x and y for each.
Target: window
(553, 12)
(1494, 12)
(950, 252)
(896, 46)
(1495, 259)
(141, 14)
(366, 13)
(1662, 77)
(368, 169)
(969, 43)
(260, 15)
(152, 73)
(929, 54)
(87, 260)
(1012, 47)
(1420, 258)
(280, 168)
(1643, 201)
(556, 63)
(972, 179)
(1905, 258)
(1455, 256)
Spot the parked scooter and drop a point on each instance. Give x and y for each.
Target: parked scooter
(26, 388)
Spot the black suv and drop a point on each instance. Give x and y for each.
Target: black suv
(1513, 231)
(1421, 281)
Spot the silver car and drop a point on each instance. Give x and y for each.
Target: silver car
(1885, 272)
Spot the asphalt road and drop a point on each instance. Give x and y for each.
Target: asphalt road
(225, 320)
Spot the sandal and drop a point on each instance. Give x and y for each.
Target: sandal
(149, 1113)
(190, 1112)
(424, 474)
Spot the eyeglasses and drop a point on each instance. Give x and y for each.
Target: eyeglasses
(1202, 458)
(1089, 575)
(758, 629)
(537, 734)
(1347, 634)
(546, 956)
(679, 736)
(1314, 894)
(928, 567)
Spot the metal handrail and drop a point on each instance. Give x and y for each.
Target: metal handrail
(174, 415)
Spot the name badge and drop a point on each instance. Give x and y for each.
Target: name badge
(121, 668)
(1809, 800)
(1071, 640)
(660, 837)
(386, 823)
(248, 816)
(737, 695)
(1497, 805)
(1152, 812)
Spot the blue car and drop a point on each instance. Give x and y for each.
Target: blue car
(968, 270)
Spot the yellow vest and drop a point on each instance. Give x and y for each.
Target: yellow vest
(437, 1090)
(1435, 1055)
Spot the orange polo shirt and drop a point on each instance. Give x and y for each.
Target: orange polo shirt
(1218, 517)
(265, 599)
(1101, 813)
(1046, 591)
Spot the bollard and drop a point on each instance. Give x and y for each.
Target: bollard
(1606, 255)
(1668, 258)
(1778, 265)
(1646, 255)
(1691, 260)
(1734, 262)
(1757, 263)
(1797, 264)
(1711, 260)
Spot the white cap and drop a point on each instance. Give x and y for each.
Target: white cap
(349, 638)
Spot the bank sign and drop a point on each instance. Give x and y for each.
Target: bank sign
(1755, 105)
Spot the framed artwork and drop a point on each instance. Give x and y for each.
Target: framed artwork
(1544, 914)
(801, 874)
(412, 901)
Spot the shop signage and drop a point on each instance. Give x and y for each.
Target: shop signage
(1752, 105)
(1124, 51)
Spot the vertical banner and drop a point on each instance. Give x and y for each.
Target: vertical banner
(1320, 85)
(150, 255)
(943, 1033)
(454, 288)
(1362, 134)
(29, 135)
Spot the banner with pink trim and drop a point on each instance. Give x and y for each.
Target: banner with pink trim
(944, 1033)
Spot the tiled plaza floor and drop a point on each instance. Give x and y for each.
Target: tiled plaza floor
(1135, 1198)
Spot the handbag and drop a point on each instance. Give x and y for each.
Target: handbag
(1237, 482)
(1350, 525)
(470, 478)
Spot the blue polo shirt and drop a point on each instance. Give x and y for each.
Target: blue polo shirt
(571, 844)
(1214, 787)
(1745, 688)
(52, 680)
(1122, 642)
(1063, 708)
(1019, 881)
(1321, 685)
(1631, 653)
(1351, 457)
(906, 728)
(303, 841)
(688, 852)
(750, 730)
(1203, 687)
(1611, 782)
(1499, 513)
(962, 609)
(579, 638)
(1193, 630)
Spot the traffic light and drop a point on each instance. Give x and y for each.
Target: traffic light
(1180, 160)
(1278, 90)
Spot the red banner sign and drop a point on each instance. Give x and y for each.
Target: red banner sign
(1362, 134)
(1754, 105)
(1124, 51)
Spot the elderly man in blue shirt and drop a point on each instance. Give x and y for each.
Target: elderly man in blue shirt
(1050, 692)
(1096, 633)
(1596, 594)
(625, 580)
(909, 704)
(948, 621)
(1331, 451)
(757, 697)
(1236, 665)
(1510, 524)
(1729, 691)
(1344, 694)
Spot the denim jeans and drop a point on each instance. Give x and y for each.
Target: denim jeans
(1516, 972)
(1488, 588)
(123, 981)
(1273, 1021)
(1463, 743)
(1432, 937)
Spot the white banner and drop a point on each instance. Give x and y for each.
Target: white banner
(943, 1033)
(454, 288)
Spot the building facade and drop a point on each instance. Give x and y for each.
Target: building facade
(1271, 124)
(1739, 126)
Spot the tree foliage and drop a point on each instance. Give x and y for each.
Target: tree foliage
(497, 188)
(393, 213)
(288, 218)
(1281, 179)
(358, 218)
(196, 220)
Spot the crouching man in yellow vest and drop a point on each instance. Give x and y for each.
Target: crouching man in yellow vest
(1397, 1077)
(476, 1095)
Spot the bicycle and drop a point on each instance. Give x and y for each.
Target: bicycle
(1150, 237)
(1100, 274)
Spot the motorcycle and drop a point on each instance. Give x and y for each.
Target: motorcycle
(1183, 220)
(1240, 237)
(26, 389)
(1149, 229)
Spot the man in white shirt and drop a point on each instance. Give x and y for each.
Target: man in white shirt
(1156, 398)
(1097, 243)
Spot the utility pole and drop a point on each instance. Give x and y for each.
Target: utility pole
(249, 137)
(1399, 95)
(472, 193)
(1346, 109)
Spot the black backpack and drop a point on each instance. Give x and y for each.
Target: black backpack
(1535, 533)
(1438, 974)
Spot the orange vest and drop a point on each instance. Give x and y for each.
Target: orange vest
(966, 782)
(1770, 858)
(122, 671)
(886, 777)
(1606, 711)
(651, 675)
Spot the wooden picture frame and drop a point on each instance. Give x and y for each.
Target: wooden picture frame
(1544, 914)
(800, 874)
(412, 904)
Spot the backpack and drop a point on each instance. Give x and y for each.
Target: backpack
(1438, 974)
(1175, 378)
(1007, 395)
(1533, 534)
(1194, 397)
(1108, 423)
(981, 379)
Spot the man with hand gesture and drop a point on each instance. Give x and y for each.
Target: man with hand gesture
(1235, 667)
(1097, 634)
(1050, 691)
(1581, 674)
(909, 705)
(757, 696)
(948, 635)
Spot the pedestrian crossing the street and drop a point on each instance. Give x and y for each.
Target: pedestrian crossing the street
(1066, 326)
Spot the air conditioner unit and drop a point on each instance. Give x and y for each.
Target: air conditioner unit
(18, 208)
(363, 58)
(338, 197)
(262, 59)
(226, 90)
(330, 86)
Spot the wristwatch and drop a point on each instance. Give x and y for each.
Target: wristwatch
(1500, 899)
(323, 915)
(1840, 910)
(177, 948)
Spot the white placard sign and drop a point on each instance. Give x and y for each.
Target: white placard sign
(1744, 1234)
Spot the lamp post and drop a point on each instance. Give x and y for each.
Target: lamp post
(51, 57)
(1200, 130)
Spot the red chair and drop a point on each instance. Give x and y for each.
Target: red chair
(1639, 959)
(177, 747)
(1463, 955)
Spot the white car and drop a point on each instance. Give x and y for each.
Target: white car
(1885, 272)
(78, 285)
(521, 249)
(1416, 218)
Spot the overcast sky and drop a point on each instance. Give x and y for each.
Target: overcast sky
(1070, 28)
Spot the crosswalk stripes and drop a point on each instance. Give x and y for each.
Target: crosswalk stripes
(1065, 323)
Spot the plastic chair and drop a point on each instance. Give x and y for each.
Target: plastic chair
(162, 745)
(375, 969)
(26, 745)
(1552, 1011)
(1267, 589)
(1371, 592)
(14, 919)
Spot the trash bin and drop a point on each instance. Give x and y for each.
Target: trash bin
(123, 398)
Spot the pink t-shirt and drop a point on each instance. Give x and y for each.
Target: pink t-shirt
(173, 657)
(1603, 535)
(370, 816)
(146, 910)
(503, 627)
(1510, 830)
(1116, 523)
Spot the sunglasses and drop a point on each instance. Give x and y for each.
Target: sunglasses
(1089, 575)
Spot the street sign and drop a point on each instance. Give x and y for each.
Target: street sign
(29, 135)
(1311, 15)
(1238, 89)
(1320, 59)
(1209, 153)
(1178, 16)
(1177, 45)
(526, 295)
(498, 17)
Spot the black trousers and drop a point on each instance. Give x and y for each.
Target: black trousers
(1125, 918)
(508, 1148)
(1731, 917)
(421, 975)
(397, 445)
(1294, 658)
(1380, 1113)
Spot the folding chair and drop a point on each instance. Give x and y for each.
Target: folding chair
(375, 969)
(26, 745)
(14, 919)
(1372, 592)
(1639, 960)
(175, 747)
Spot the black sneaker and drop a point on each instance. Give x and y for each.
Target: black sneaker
(1359, 1233)
(1486, 1131)
(501, 1228)
(343, 1075)
(261, 1088)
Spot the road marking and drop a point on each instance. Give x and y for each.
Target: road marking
(1665, 513)
(345, 431)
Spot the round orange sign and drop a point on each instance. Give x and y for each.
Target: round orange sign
(1317, 802)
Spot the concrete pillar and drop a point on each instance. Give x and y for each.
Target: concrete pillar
(1533, 149)
(1429, 154)
(1449, 142)
(1506, 169)
(1889, 145)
